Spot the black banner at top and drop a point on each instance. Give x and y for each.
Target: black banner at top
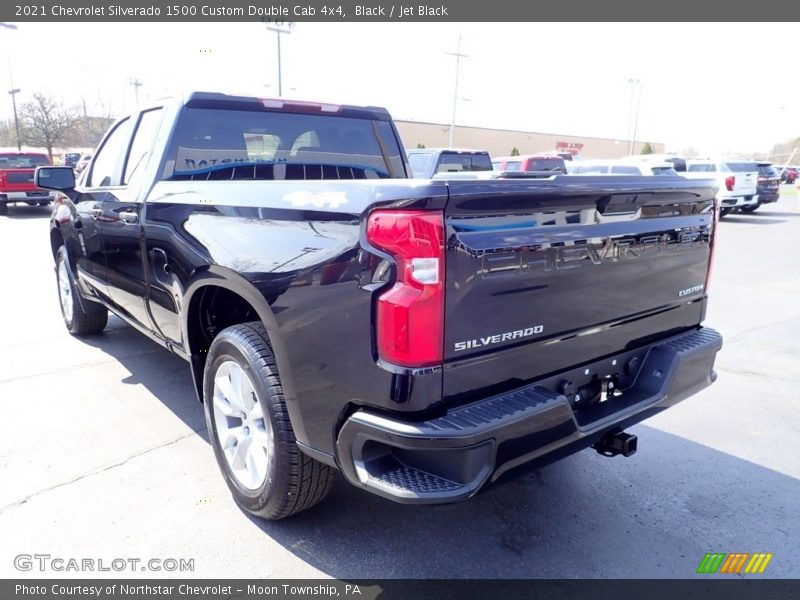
(333, 11)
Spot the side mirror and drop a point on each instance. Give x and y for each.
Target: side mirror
(55, 178)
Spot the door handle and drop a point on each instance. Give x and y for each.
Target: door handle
(128, 216)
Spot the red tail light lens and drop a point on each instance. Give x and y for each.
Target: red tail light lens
(712, 243)
(730, 182)
(410, 316)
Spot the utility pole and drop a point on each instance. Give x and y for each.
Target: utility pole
(458, 54)
(136, 85)
(280, 28)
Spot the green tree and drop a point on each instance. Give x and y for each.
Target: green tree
(515, 151)
(420, 146)
(647, 149)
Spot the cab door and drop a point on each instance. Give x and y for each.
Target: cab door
(95, 185)
(118, 220)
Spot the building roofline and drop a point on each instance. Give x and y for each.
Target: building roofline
(567, 135)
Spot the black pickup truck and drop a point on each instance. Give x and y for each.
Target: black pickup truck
(423, 337)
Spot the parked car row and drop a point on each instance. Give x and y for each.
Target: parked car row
(744, 185)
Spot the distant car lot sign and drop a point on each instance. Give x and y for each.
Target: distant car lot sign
(571, 147)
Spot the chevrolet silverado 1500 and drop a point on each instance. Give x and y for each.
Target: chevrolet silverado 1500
(423, 337)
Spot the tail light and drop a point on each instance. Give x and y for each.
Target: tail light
(2, 180)
(410, 316)
(730, 182)
(712, 244)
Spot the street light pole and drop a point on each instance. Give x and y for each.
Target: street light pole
(636, 118)
(631, 119)
(280, 29)
(13, 91)
(458, 56)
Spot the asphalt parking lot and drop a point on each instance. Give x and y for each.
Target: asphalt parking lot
(104, 454)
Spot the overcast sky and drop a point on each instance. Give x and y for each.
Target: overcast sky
(715, 87)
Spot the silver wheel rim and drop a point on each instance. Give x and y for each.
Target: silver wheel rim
(244, 433)
(65, 291)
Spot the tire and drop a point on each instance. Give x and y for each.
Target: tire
(43, 203)
(750, 209)
(244, 407)
(3, 209)
(77, 321)
(724, 211)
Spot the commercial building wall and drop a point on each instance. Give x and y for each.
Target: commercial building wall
(499, 142)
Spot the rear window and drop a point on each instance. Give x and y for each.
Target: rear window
(701, 168)
(625, 170)
(243, 144)
(589, 169)
(452, 163)
(741, 167)
(23, 161)
(546, 164)
(767, 171)
(678, 163)
(664, 171)
(421, 163)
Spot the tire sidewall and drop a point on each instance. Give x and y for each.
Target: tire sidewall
(69, 320)
(223, 349)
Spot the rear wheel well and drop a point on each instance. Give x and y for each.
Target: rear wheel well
(212, 309)
(56, 240)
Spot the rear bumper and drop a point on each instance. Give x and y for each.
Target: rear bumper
(768, 196)
(451, 457)
(24, 197)
(738, 201)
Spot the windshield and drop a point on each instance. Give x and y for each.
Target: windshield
(241, 144)
(23, 161)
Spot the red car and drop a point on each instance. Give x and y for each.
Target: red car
(788, 174)
(16, 179)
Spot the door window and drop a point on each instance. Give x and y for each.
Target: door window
(142, 145)
(107, 163)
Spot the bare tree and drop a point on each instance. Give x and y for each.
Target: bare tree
(46, 122)
(7, 134)
(94, 121)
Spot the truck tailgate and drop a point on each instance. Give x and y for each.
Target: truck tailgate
(541, 275)
(17, 180)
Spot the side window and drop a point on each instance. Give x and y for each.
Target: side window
(107, 163)
(142, 144)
